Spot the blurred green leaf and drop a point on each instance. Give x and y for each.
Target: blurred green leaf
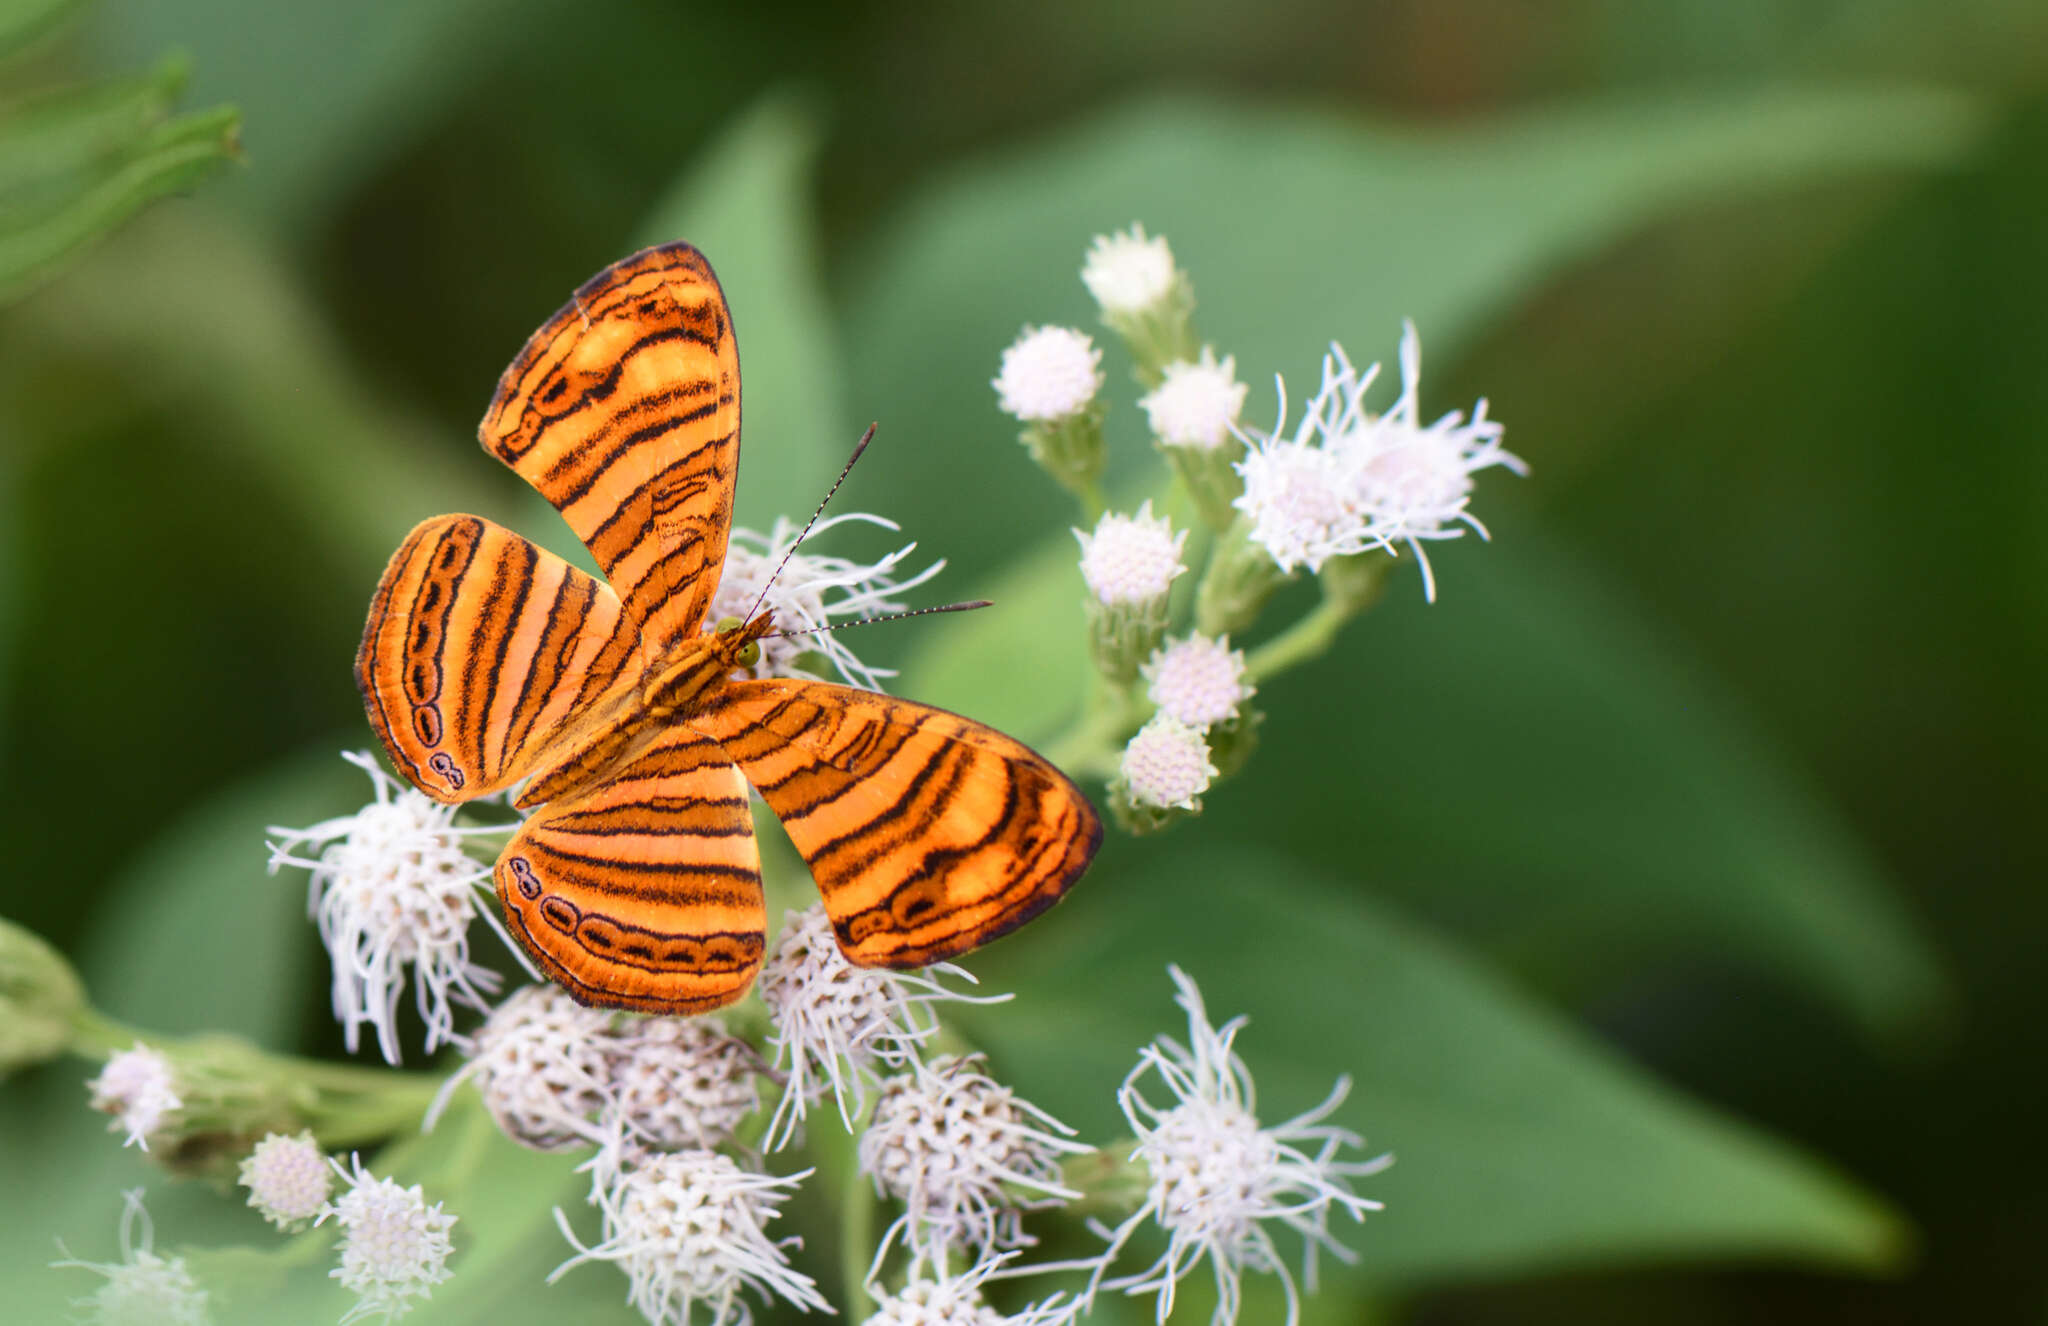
(198, 935)
(196, 312)
(75, 165)
(1520, 761)
(22, 21)
(329, 92)
(1521, 1144)
(747, 205)
(1297, 228)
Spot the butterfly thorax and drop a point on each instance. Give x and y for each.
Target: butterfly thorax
(626, 719)
(680, 683)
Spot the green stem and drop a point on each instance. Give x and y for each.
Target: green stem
(856, 1223)
(1308, 638)
(1088, 749)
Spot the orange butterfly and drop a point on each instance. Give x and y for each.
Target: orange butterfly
(638, 883)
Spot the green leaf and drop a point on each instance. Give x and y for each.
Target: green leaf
(1298, 228)
(198, 935)
(22, 21)
(747, 205)
(75, 165)
(329, 92)
(1522, 1145)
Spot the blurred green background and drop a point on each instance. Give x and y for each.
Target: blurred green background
(1671, 888)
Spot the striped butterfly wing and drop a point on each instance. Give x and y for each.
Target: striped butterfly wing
(481, 652)
(644, 890)
(624, 412)
(928, 834)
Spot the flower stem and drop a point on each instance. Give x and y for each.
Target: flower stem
(856, 1221)
(1350, 585)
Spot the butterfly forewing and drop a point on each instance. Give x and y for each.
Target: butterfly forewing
(624, 412)
(481, 652)
(644, 891)
(928, 834)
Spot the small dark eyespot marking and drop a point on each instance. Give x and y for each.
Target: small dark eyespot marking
(679, 954)
(914, 901)
(423, 679)
(560, 913)
(858, 928)
(444, 764)
(426, 720)
(640, 951)
(523, 876)
(594, 936)
(554, 393)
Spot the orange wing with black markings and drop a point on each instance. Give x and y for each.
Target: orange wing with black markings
(623, 410)
(644, 892)
(637, 883)
(928, 834)
(481, 653)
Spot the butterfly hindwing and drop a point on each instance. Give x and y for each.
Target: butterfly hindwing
(928, 834)
(480, 651)
(643, 891)
(624, 412)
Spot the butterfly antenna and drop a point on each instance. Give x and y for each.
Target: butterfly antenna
(858, 447)
(894, 616)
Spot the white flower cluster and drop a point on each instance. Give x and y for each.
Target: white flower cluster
(393, 888)
(143, 1288)
(688, 1228)
(1130, 561)
(1196, 404)
(1218, 1178)
(1348, 481)
(288, 1179)
(394, 1247)
(839, 1027)
(136, 1087)
(1048, 374)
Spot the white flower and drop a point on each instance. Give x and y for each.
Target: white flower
(541, 1063)
(953, 1145)
(1415, 480)
(136, 1087)
(1129, 272)
(1300, 496)
(394, 1247)
(1196, 404)
(288, 1179)
(1197, 680)
(837, 1025)
(1048, 373)
(393, 888)
(812, 592)
(955, 1300)
(687, 1228)
(1218, 1178)
(142, 1289)
(1167, 764)
(1348, 480)
(678, 1083)
(1131, 560)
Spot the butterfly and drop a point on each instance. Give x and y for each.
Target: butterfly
(636, 883)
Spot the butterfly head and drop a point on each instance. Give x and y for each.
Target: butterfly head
(738, 643)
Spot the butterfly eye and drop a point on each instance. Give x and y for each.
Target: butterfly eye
(727, 625)
(749, 655)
